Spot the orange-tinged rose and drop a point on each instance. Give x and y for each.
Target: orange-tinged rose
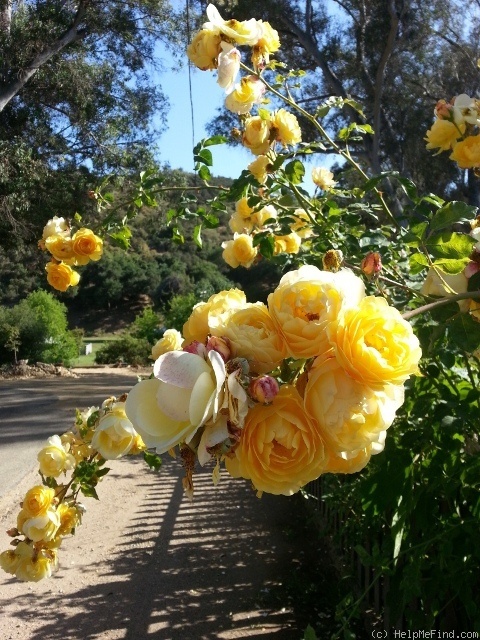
(443, 135)
(253, 336)
(37, 501)
(207, 317)
(466, 153)
(374, 344)
(61, 276)
(86, 246)
(306, 301)
(61, 247)
(170, 341)
(344, 463)
(350, 415)
(280, 450)
(34, 567)
(70, 518)
(286, 127)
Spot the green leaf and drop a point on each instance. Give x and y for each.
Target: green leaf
(266, 246)
(208, 142)
(295, 171)
(122, 237)
(204, 156)
(204, 173)
(450, 245)
(464, 331)
(197, 235)
(451, 213)
(418, 262)
(309, 633)
(153, 460)
(451, 267)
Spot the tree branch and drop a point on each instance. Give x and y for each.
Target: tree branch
(73, 34)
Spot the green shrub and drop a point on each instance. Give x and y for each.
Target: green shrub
(127, 349)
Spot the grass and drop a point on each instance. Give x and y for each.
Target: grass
(97, 342)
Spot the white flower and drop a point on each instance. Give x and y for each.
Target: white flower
(465, 110)
(247, 32)
(228, 65)
(55, 226)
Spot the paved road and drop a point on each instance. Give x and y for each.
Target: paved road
(33, 410)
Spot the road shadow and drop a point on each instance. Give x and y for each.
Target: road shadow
(227, 565)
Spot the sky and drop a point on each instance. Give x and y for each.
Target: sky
(177, 142)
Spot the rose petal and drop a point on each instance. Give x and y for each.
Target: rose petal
(179, 368)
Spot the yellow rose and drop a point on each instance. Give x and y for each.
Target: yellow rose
(466, 153)
(34, 564)
(268, 43)
(302, 224)
(253, 336)
(37, 501)
(247, 93)
(54, 458)
(306, 301)
(260, 217)
(60, 247)
(279, 450)
(70, 518)
(288, 244)
(170, 341)
(245, 32)
(242, 208)
(239, 224)
(239, 251)
(86, 246)
(374, 344)
(61, 276)
(259, 168)
(349, 415)
(114, 435)
(204, 49)
(286, 127)
(208, 316)
(43, 527)
(256, 135)
(344, 463)
(323, 178)
(443, 135)
(442, 284)
(9, 561)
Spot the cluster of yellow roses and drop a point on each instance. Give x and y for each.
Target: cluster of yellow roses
(456, 129)
(283, 392)
(51, 511)
(68, 250)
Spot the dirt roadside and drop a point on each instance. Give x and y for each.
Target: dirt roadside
(147, 563)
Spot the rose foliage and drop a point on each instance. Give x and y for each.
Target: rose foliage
(365, 355)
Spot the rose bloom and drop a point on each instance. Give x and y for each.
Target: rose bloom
(55, 458)
(228, 65)
(248, 92)
(29, 569)
(37, 501)
(245, 32)
(466, 153)
(260, 217)
(259, 168)
(239, 251)
(280, 450)
(42, 527)
(323, 178)
(239, 224)
(302, 225)
(466, 110)
(443, 135)
(86, 246)
(288, 130)
(347, 463)
(242, 208)
(442, 284)
(268, 43)
(70, 518)
(204, 49)
(253, 336)
(60, 247)
(208, 316)
(349, 415)
(374, 344)
(55, 226)
(170, 341)
(187, 391)
(61, 276)
(256, 135)
(288, 244)
(114, 435)
(306, 301)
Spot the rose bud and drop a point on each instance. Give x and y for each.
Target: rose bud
(471, 269)
(371, 265)
(263, 389)
(221, 345)
(196, 347)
